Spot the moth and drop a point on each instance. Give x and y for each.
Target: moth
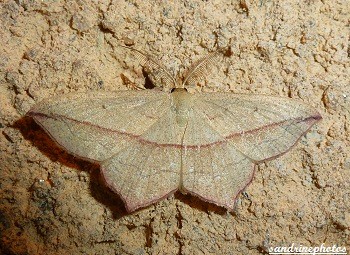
(152, 143)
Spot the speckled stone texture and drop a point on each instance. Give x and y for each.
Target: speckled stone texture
(53, 203)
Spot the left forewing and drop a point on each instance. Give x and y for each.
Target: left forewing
(94, 126)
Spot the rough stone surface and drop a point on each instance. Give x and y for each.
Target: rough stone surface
(53, 203)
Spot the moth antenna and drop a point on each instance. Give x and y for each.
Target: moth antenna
(202, 67)
(158, 73)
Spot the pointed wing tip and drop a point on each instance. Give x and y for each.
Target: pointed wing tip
(32, 113)
(37, 116)
(311, 120)
(230, 206)
(316, 117)
(38, 109)
(132, 205)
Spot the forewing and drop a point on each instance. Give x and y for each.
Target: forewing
(132, 134)
(227, 134)
(97, 125)
(261, 127)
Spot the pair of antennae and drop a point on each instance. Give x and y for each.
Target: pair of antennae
(162, 77)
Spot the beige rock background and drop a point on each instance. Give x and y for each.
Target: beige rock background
(53, 203)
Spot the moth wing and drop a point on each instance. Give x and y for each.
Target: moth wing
(95, 126)
(132, 134)
(228, 133)
(261, 127)
(143, 173)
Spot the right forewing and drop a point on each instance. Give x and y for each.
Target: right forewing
(260, 127)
